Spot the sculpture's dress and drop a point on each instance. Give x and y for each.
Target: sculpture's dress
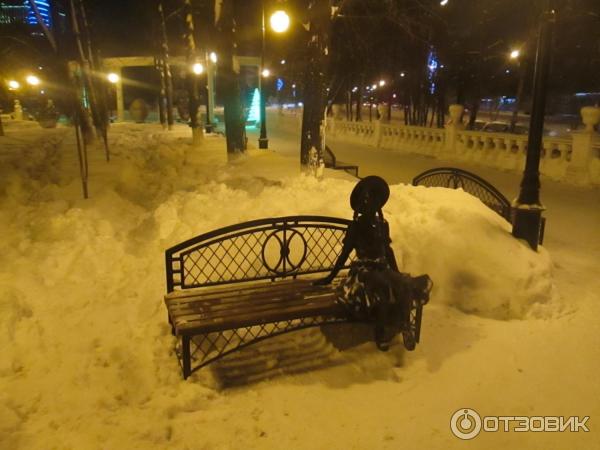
(374, 288)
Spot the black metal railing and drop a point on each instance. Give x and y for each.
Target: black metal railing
(454, 178)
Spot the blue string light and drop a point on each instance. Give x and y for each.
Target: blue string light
(279, 84)
(432, 66)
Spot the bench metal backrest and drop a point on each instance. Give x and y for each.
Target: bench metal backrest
(256, 250)
(454, 178)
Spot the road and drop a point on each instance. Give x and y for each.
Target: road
(573, 213)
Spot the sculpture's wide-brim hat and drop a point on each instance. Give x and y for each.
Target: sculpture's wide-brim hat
(377, 189)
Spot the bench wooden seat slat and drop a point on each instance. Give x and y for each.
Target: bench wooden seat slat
(259, 318)
(280, 300)
(210, 296)
(200, 319)
(208, 300)
(277, 300)
(201, 312)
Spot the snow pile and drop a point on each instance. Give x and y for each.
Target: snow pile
(476, 265)
(83, 331)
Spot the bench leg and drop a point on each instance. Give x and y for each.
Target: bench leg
(171, 323)
(418, 322)
(186, 357)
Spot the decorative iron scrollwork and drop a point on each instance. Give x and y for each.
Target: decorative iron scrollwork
(284, 237)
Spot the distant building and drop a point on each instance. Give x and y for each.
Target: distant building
(43, 7)
(15, 12)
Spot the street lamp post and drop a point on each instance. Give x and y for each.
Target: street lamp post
(528, 207)
(263, 141)
(515, 56)
(280, 22)
(115, 80)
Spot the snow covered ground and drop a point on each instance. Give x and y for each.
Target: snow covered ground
(87, 357)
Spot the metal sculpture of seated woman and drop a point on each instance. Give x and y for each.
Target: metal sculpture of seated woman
(375, 289)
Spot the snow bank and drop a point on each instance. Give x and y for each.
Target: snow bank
(83, 331)
(476, 265)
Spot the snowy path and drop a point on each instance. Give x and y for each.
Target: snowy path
(86, 351)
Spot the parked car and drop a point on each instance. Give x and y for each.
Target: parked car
(496, 127)
(504, 127)
(478, 125)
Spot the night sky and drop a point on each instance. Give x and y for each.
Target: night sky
(125, 27)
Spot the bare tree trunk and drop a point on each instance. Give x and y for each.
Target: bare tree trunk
(441, 108)
(192, 79)
(234, 115)
(79, 117)
(81, 151)
(475, 105)
(359, 96)
(97, 103)
(433, 111)
(162, 93)
(1, 126)
(349, 105)
(84, 117)
(314, 89)
(165, 65)
(74, 99)
(406, 105)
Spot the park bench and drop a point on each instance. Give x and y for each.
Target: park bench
(244, 283)
(451, 177)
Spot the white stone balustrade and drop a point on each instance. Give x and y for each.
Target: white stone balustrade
(574, 158)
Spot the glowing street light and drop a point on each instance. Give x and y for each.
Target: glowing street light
(198, 68)
(381, 83)
(32, 80)
(279, 21)
(213, 57)
(515, 54)
(444, 2)
(13, 85)
(402, 74)
(282, 61)
(113, 78)
(374, 87)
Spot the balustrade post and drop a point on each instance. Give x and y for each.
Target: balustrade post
(18, 111)
(578, 170)
(378, 133)
(452, 127)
